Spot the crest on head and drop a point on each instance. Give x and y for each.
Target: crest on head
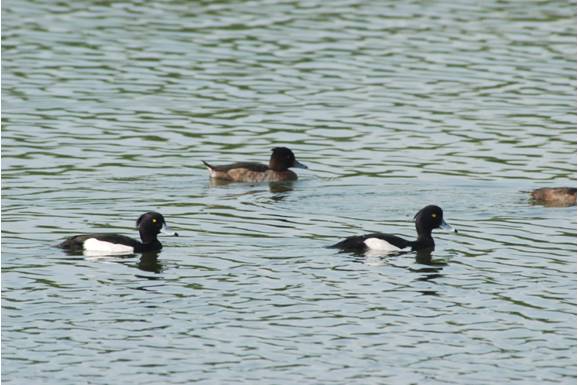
(430, 216)
(151, 219)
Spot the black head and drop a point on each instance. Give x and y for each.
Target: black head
(429, 218)
(282, 159)
(150, 225)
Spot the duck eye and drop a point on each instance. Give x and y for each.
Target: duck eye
(434, 215)
(154, 220)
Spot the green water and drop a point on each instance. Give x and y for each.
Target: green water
(109, 108)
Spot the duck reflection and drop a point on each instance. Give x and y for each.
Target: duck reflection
(423, 258)
(219, 182)
(278, 189)
(274, 187)
(150, 262)
(426, 264)
(147, 261)
(95, 255)
(281, 187)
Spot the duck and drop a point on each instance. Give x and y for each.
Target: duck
(563, 196)
(282, 159)
(428, 218)
(149, 225)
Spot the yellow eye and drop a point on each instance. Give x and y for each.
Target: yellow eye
(434, 215)
(154, 220)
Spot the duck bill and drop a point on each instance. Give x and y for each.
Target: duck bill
(297, 164)
(445, 226)
(167, 231)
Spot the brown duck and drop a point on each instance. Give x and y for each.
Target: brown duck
(556, 196)
(282, 159)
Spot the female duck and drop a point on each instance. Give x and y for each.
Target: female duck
(557, 196)
(281, 160)
(149, 226)
(429, 218)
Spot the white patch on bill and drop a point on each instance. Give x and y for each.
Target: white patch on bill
(93, 244)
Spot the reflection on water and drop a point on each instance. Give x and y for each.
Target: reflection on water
(424, 257)
(146, 262)
(109, 108)
(274, 187)
(380, 257)
(279, 188)
(150, 262)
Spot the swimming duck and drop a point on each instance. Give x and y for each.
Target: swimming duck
(281, 160)
(149, 226)
(563, 196)
(429, 218)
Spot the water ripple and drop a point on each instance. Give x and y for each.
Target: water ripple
(109, 109)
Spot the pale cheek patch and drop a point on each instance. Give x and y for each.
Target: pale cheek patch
(380, 244)
(93, 244)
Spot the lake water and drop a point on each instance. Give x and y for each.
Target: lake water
(109, 108)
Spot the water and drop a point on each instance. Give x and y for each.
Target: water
(109, 107)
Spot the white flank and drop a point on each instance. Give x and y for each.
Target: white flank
(380, 244)
(93, 244)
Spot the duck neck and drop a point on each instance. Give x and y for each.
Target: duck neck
(147, 237)
(276, 165)
(424, 237)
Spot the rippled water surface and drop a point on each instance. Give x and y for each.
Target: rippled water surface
(109, 108)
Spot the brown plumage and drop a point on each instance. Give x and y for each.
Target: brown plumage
(563, 196)
(281, 160)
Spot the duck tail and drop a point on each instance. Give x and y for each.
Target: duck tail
(212, 171)
(64, 245)
(208, 165)
(68, 243)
